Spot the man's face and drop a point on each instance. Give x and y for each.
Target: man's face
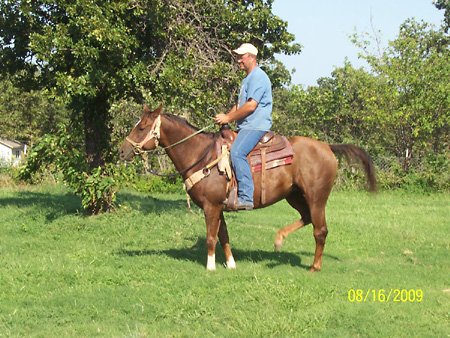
(245, 61)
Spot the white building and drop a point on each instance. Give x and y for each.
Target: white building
(11, 152)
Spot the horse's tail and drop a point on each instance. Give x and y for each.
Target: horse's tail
(352, 151)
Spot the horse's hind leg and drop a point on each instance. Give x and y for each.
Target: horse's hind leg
(310, 214)
(298, 202)
(225, 243)
(320, 234)
(286, 231)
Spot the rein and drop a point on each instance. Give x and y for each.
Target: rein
(151, 171)
(188, 137)
(155, 132)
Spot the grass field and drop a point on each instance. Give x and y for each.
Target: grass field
(140, 271)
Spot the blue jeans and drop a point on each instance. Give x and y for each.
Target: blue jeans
(243, 144)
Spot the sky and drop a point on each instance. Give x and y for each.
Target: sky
(323, 27)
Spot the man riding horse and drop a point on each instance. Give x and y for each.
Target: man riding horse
(253, 115)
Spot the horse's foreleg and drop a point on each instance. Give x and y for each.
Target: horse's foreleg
(284, 232)
(212, 218)
(225, 243)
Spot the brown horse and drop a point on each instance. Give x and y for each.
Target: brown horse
(305, 184)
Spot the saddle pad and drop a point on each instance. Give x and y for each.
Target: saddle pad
(273, 164)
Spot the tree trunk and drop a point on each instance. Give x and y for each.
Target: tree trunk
(97, 133)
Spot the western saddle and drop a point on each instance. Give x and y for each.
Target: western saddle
(271, 151)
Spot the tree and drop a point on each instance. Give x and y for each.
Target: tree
(413, 74)
(335, 111)
(27, 116)
(290, 114)
(85, 51)
(94, 53)
(198, 70)
(444, 5)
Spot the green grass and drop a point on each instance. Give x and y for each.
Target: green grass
(140, 271)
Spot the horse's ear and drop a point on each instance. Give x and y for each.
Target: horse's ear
(146, 109)
(158, 110)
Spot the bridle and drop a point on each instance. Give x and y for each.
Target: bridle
(155, 133)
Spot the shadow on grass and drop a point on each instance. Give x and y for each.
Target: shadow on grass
(148, 204)
(58, 204)
(198, 252)
(53, 205)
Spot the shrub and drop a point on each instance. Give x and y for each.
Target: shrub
(97, 187)
(153, 184)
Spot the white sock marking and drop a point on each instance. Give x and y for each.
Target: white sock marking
(211, 263)
(231, 264)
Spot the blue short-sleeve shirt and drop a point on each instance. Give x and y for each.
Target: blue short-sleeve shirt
(256, 86)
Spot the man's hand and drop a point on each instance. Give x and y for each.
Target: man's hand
(222, 119)
(236, 114)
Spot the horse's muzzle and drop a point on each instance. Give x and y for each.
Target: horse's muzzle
(125, 155)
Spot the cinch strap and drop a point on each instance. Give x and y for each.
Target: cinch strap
(202, 173)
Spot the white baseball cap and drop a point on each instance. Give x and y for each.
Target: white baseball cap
(246, 48)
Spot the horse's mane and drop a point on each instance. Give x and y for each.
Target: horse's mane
(182, 121)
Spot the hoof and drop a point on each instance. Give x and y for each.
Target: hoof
(278, 245)
(231, 264)
(313, 270)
